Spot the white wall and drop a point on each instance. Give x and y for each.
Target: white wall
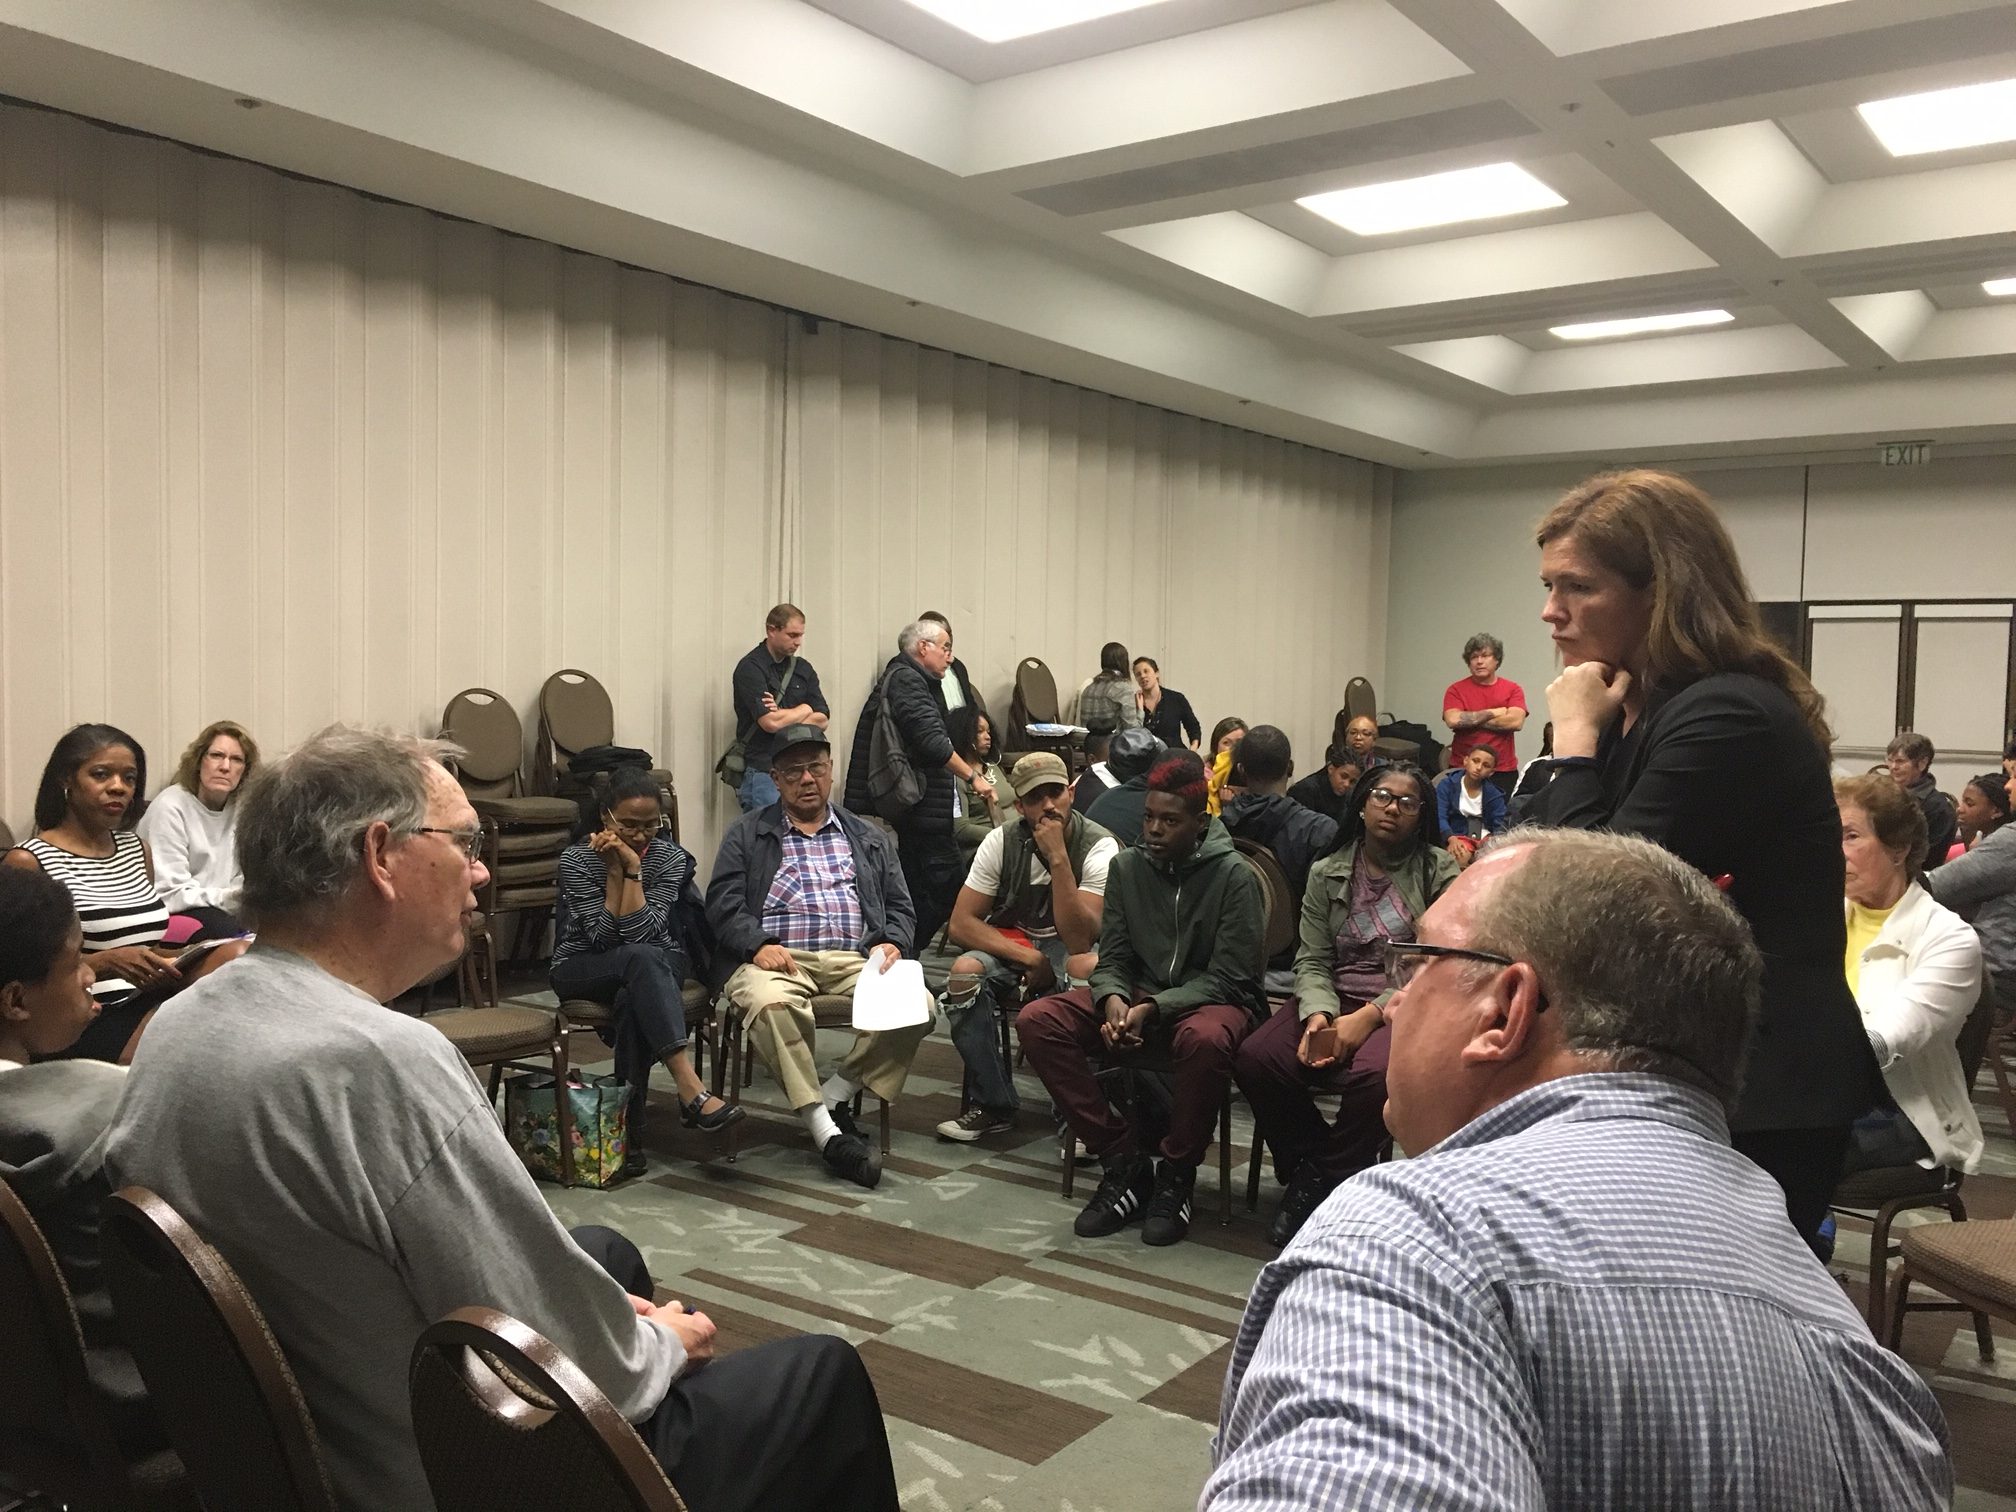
(1463, 557)
(274, 451)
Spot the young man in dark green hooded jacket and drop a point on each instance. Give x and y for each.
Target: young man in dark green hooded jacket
(1180, 959)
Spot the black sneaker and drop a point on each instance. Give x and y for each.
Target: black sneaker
(849, 1155)
(1122, 1194)
(843, 1115)
(1169, 1206)
(1306, 1191)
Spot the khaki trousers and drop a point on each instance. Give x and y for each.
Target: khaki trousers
(776, 1009)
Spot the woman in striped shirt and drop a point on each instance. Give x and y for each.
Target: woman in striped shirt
(84, 809)
(617, 941)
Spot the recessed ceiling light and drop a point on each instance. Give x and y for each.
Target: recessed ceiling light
(1440, 199)
(1943, 119)
(1999, 287)
(1639, 325)
(1005, 20)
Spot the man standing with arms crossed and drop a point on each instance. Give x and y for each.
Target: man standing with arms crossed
(774, 688)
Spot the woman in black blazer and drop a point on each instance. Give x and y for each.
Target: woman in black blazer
(1677, 720)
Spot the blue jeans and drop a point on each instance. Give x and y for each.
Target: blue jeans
(975, 1032)
(757, 791)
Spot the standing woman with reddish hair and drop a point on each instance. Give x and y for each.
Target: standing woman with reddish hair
(1676, 719)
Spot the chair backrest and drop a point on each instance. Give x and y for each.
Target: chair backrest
(1038, 689)
(213, 1369)
(1283, 916)
(575, 712)
(45, 1394)
(485, 725)
(1359, 699)
(547, 1439)
(6, 836)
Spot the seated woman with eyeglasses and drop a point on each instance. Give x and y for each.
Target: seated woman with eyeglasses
(617, 941)
(1377, 879)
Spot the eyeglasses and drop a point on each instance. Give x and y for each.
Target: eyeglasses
(784, 775)
(469, 841)
(649, 827)
(224, 758)
(1406, 958)
(1407, 803)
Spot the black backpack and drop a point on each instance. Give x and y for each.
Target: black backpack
(895, 786)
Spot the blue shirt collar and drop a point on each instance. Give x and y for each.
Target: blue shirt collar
(1590, 1095)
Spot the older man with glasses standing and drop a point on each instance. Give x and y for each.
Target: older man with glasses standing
(1575, 1294)
(805, 895)
(347, 1164)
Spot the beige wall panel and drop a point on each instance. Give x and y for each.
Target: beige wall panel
(274, 451)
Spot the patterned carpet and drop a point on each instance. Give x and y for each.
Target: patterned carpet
(1022, 1369)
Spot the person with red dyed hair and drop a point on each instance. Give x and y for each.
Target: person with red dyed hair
(1181, 941)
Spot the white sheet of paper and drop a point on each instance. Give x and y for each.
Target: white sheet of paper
(892, 999)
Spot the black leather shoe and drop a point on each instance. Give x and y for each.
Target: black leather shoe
(843, 1115)
(695, 1116)
(850, 1157)
(1305, 1194)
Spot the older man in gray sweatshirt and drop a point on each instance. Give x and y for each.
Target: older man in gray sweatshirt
(347, 1164)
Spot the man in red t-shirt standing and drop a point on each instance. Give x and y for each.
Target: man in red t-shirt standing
(1484, 709)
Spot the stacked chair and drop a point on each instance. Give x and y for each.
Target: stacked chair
(523, 834)
(576, 716)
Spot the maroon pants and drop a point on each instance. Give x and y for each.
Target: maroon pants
(1279, 1087)
(1061, 1034)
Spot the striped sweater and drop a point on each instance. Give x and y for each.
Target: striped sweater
(115, 898)
(585, 926)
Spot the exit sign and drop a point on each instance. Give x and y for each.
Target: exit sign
(1905, 453)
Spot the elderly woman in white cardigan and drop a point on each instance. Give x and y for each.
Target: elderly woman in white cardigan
(1915, 968)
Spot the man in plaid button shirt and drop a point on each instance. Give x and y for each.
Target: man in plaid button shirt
(1576, 1295)
(805, 897)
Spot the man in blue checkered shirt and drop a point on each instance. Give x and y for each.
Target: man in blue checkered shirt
(1577, 1295)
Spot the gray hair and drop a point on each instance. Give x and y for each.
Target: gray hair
(1484, 640)
(301, 820)
(1649, 967)
(1913, 747)
(918, 631)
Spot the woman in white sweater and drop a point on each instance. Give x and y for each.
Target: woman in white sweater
(1915, 968)
(191, 827)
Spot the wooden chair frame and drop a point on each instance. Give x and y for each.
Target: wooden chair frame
(144, 1234)
(545, 1387)
(97, 1477)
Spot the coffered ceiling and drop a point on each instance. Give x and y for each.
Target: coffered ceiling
(1116, 202)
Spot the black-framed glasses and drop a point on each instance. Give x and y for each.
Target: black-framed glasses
(467, 841)
(1406, 958)
(1407, 803)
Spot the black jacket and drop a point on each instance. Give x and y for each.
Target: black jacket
(1176, 722)
(1315, 792)
(1725, 774)
(747, 863)
(1942, 820)
(1120, 809)
(1296, 834)
(919, 712)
